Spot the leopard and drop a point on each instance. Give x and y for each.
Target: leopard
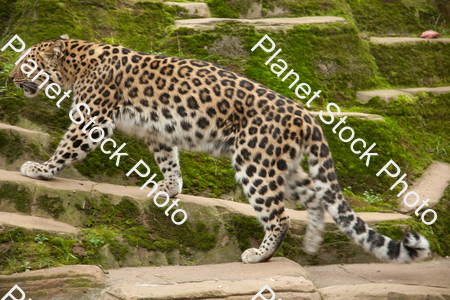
(171, 102)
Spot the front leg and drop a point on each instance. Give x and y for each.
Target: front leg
(74, 146)
(167, 159)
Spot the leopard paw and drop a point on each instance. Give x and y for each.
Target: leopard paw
(171, 186)
(312, 242)
(35, 170)
(251, 255)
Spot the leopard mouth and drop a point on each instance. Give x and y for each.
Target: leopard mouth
(29, 88)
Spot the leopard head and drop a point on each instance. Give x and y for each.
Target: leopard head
(45, 56)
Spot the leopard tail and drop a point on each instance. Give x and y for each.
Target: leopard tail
(413, 246)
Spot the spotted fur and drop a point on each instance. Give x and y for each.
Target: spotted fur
(175, 102)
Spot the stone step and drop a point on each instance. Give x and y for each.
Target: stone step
(195, 10)
(431, 185)
(72, 202)
(269, 24)
(222, 281)
(424, 280)
(388, 95)
(31, 134)
(79, 282)
(351, 114)
(400, 40)
(31, 222)
(372, 291)
(237, 281)
(140, 195)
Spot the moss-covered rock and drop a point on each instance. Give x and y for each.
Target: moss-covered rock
(19, 195)
(405, 17)
(413, 64)
(118, 231)
(137, 25)
(333, 57)
(252, 9)
(10, 146)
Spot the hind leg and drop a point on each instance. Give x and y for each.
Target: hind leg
(265, 192)
(299, 187)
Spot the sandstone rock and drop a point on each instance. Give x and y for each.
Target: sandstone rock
(436, 90)
(79, 282)
(32, 135)
(268, 24)
(432, 273)
(399, 40)
(30, 222)
(386, 95)
(424, 280)
(372, 291)
(351, 114)
(431, 185)
(224, 281)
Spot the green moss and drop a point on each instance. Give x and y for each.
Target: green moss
(201, 172)
(53, 205)
(36, 151)
(159, 233)
(162, 234)
(123, 215)
(21, 196)
(79, 282)
(136, 25)
(413, 64)
(319, 8)
(243, 228)
(24, 252)
(221, 9)
(118, 250)
(440, 229)
(10, 146)
(5, 15)
(334, 237)
(406, 17)
(351, 171)
(183, 239)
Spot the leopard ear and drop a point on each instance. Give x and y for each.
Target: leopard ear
(65, 36)
(54, 52)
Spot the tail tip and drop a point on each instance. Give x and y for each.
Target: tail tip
(418, 247)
